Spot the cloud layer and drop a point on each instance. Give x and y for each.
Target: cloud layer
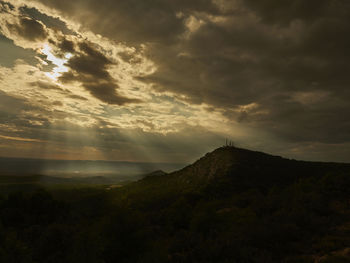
(273, 71)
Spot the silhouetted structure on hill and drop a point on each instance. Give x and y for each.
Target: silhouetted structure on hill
(229, 143)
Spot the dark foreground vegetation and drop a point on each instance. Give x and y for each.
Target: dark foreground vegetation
(232, 205)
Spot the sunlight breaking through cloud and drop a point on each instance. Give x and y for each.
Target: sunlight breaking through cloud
(58, 62)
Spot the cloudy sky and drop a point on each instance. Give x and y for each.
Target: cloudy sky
(168, 80)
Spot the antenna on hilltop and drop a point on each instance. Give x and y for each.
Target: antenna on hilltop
(229, 143)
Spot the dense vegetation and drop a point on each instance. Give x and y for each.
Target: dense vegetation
(232, 205)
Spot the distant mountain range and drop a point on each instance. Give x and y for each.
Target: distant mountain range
(80, 168)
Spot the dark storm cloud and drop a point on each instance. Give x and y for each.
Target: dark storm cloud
(89, 67)
(29, 29)
(91, 63)
(106, 92)
(273, 11)
(49, 21)
(134, 20)
(276, 66)
(270, 59)
(295, 122)
(67, 46)
(5, 7)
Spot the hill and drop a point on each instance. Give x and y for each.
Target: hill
(230, 161)
(247, 206)
(232, 205)
(232, 170)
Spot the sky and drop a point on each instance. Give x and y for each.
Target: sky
(169, 80)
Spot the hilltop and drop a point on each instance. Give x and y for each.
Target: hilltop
(230, 161)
